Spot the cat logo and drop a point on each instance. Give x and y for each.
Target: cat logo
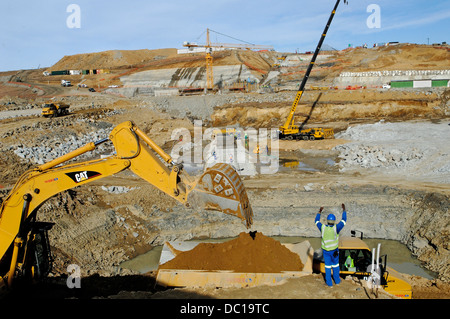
(82, 176)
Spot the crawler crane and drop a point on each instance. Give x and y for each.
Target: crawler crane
(289, 130)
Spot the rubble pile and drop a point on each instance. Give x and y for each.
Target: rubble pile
(397, 147)
(368, 156)
(54, 147)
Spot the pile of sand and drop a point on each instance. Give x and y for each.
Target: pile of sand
(250, 253)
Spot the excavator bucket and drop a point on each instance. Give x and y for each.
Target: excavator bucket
(220, 188)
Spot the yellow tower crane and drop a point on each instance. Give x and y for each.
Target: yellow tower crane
(209, 63)
(209, 48)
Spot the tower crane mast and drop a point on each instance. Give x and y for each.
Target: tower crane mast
(209, 49)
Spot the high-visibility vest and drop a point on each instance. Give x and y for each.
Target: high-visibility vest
(349, 262)
(330, 237)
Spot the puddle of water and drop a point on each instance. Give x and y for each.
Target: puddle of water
(398, 255)
(146, 262)
(290, 164)
(286, 165)
(400, 258)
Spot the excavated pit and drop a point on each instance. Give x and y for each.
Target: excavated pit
(98, 229)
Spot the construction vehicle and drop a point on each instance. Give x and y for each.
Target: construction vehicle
(24, 247)
(289, 130)
(365, 266)
(279, 61)
(66, 83)
(55, 109)
(317, 133)
(192, 277)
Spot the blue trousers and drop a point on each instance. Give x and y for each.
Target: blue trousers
(331, 263)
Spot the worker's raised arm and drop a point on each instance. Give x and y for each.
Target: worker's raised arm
(317, 221)
(343, 220)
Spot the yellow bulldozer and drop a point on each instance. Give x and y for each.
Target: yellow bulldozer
(24, 247)
(55, 109)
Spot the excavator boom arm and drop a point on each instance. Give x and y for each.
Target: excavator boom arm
(219, 188)
(39, 187)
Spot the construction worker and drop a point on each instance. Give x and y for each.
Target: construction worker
(350, 262)
(330, 242)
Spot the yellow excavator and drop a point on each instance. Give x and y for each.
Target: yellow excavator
(24, 247)
(289, 130)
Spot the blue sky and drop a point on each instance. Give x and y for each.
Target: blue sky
(35, 33)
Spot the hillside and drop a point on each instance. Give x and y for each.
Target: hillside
(399, 57)
(165, 68)
(160, 59)
(110, 59)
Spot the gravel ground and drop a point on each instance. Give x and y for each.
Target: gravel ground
(415, 150)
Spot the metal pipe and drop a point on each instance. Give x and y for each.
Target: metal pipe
(84, 149)
(18, 241)
(378, 256)
(373, 261)
(166, 157)
(103, 140)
